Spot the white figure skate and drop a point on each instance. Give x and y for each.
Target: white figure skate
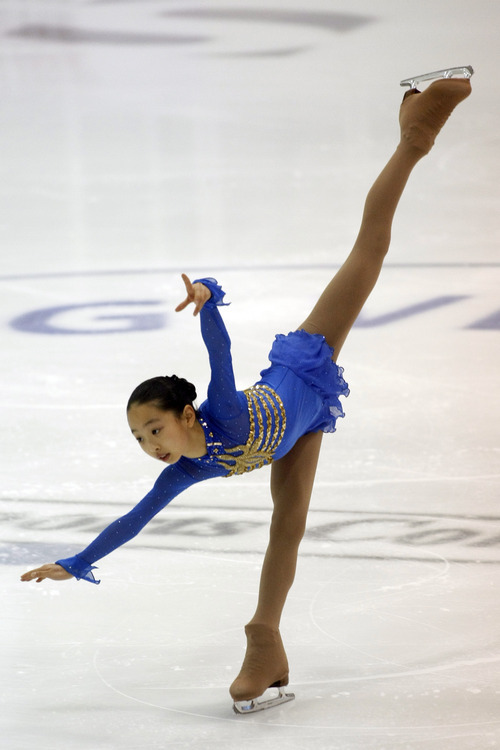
(466, 71)
(273, 696)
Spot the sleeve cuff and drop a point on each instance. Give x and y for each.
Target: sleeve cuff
(218, 294)
(79, 568)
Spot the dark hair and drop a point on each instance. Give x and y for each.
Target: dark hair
(169, 393)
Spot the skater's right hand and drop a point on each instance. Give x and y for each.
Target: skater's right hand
(197, 293)
(51, 570)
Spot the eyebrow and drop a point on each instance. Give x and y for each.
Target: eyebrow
(146, 424)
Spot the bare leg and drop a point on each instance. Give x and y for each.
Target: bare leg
(292, 477)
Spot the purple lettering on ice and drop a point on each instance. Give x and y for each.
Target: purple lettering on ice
(50, 320)
(44, 321)
(406, 312)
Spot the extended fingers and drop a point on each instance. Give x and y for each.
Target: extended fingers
(32, 574)
(188, 285)
(53, 571)
(197, 293)
(190, 293)
(182, 305)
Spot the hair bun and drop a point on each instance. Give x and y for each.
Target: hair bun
(184, 388)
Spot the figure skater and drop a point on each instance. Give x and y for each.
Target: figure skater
(281, 419)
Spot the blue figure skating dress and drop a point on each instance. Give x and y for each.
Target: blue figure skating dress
(244, 430)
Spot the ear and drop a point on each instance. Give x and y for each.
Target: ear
(189, 415)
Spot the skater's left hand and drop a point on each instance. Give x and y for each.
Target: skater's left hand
(197, 293)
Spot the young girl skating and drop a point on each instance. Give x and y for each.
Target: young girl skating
(281, 419)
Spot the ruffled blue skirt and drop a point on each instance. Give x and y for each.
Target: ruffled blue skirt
(310, 358)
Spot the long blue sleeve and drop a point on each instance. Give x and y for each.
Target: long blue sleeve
(225, 402)
(173, 480)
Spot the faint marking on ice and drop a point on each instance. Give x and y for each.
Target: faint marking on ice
(364, 730)
(461, 664)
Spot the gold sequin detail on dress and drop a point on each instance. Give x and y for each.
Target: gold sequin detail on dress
(267, 427)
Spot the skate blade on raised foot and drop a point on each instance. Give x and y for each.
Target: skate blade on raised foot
(466, 71)
(274, 696)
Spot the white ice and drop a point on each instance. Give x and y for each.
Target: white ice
(142, 139)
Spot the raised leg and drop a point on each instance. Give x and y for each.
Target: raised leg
(342, 300)
(421, 118)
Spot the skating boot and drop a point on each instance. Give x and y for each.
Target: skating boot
(265, 667)
(422, 115)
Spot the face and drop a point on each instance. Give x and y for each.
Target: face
(163, 435)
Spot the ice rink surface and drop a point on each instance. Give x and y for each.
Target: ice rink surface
(238, 140)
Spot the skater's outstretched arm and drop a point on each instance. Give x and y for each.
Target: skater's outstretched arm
(181, 474)
(172, 481)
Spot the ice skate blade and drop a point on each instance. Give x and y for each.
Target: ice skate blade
(466, 71)
(264, 702)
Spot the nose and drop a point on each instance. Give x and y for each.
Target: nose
(152, 448)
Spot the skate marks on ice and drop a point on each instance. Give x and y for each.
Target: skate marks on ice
(216, 30)
(382, 647)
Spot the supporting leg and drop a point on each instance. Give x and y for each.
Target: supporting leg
(292, 479)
